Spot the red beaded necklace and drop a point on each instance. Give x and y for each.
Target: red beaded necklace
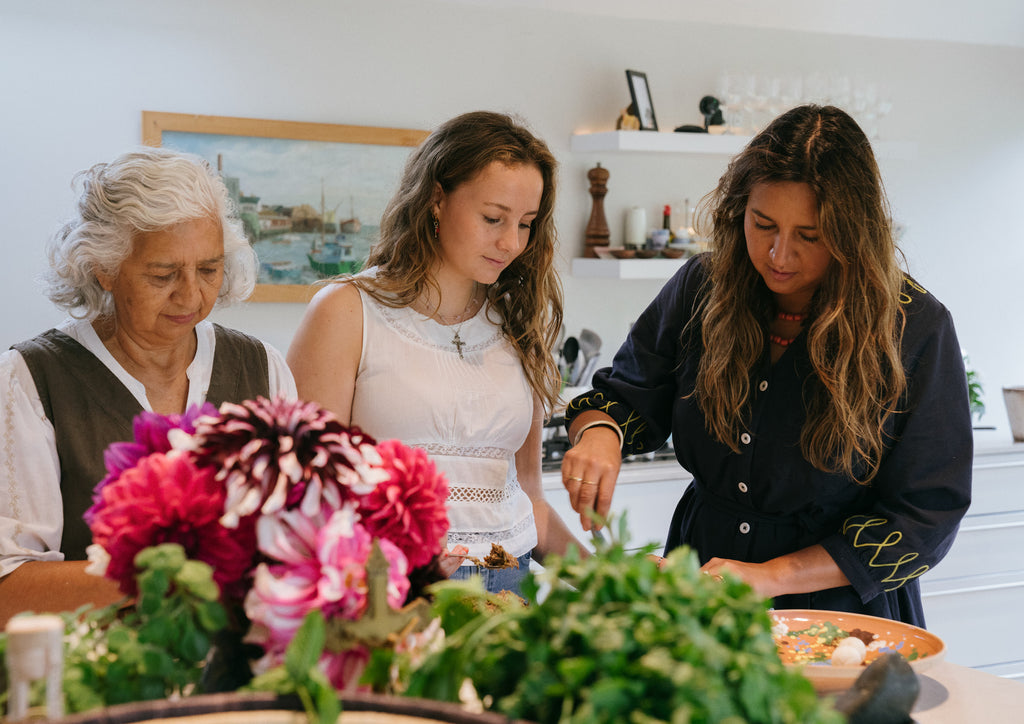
(791, 317)
(786, 317)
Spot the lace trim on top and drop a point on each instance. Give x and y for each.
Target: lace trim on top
(464, 494)
(394, 317)
(470, 538)
(440, 448)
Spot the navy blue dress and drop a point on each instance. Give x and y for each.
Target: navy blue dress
(767, 500)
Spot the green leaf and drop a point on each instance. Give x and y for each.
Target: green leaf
(211, 616)
(159, 631)
(306, 647)
(197, 578)
(327, 706)
(195, 644)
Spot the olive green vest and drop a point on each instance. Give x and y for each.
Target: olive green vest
(90, 409)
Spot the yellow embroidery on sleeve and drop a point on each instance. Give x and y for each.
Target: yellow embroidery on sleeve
(860, 524)
(905, 298)
(631, 428)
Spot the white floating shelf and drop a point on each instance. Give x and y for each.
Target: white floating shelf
(657, 142)
(625, 268)
(706, 143)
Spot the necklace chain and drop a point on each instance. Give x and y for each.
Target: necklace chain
(459, 319)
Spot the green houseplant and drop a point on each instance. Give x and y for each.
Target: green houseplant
(975, 390)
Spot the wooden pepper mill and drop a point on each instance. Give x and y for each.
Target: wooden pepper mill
(597, 233)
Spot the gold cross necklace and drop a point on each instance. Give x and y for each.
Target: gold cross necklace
(460, 319)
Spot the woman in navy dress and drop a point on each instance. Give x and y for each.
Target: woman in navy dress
(813, 389)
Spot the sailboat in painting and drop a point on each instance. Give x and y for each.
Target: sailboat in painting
(331, 258)
(351, 225)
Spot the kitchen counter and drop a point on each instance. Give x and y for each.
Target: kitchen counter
(953, 694)
(976, 589)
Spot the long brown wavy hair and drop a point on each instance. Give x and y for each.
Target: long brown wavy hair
(528, 293)
(855, 320)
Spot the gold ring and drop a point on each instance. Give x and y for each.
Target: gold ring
(586, 482)
(573, 477)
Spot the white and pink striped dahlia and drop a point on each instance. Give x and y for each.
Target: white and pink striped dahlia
(276, 455)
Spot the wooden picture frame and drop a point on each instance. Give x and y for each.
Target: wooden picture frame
(314, 162)
(643, 105)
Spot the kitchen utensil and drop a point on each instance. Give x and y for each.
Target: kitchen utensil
(590, 342)
(570, 352)
(588, 372)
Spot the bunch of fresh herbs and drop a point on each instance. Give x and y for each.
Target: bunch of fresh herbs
(618, 639)
(150, 650)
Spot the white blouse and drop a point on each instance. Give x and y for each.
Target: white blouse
(31, 513)
(471, 414)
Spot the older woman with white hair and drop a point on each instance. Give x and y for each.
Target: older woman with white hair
(154, 246)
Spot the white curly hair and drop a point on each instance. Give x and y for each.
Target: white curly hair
(144, 190)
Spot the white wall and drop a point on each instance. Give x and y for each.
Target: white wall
(75, 76)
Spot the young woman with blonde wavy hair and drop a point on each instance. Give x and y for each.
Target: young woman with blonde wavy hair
(813, 389)
(444, 340)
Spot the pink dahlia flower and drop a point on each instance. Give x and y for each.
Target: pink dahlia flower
(409, 508)
(320, 565)
(165, 498)
(284, 454)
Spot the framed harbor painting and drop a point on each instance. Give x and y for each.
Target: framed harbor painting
(310, 195)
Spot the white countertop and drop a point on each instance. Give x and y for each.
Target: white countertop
(952, 694)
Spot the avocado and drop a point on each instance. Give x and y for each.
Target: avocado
(883, 694)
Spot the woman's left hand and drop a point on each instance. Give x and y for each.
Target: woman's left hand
(757, 575)
(804, 571)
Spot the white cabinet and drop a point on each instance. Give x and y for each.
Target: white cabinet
(973, 598)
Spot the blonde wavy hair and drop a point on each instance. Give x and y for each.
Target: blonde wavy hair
(855, 321)
(528, 293)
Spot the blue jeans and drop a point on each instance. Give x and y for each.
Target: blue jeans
(496, 580)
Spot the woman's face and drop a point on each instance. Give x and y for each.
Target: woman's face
(169, 282)
(784, 241)
(484, 223)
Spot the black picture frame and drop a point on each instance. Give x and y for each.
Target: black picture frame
(643, 105)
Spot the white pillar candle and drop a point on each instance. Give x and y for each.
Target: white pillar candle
(636, 226)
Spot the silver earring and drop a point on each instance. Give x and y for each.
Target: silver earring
(436, 224)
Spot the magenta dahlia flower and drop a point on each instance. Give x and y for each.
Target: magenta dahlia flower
(284, 454)
(152, 433)
(409, 508)
(165, 498)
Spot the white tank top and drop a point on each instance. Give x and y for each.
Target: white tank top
(470, 414)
